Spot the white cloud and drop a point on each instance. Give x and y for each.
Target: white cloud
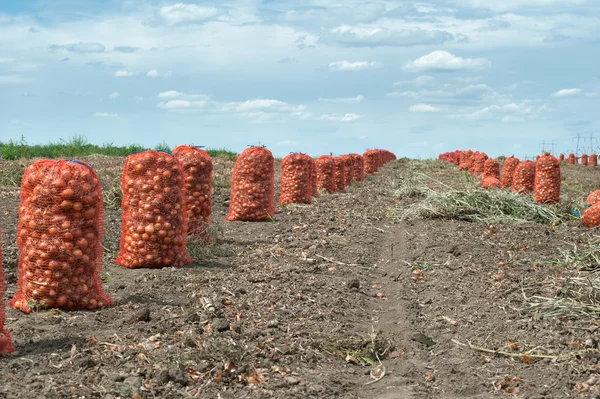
(441, 60)
(80, 48)
(263, 104)
(345, 100)
(567, 93)
(339, 66)
(373, 36)
(341, 118)
(423, 80)
(105, 114)
(512, 112)
(182, 104)
(153, 73)
(114, 95)
(450, 94)
(123, 74)
(13, 80)
(423, 108)
(179, 14)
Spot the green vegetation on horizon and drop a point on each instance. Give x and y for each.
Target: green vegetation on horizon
(78, 146)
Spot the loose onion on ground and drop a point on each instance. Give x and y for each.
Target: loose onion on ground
(59, 237)
(154, 222)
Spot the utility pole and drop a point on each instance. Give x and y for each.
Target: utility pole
(544, 146)
(592, 140)
(577, 139)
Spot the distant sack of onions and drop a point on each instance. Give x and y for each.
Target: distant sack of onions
(524, 177)
(339, 174)
(154, 222)
(253, 186)
(358, 167)
(325, 166)
(59, 238)
(197, 187)
(296, 179)
(508, 171)
(547, 180)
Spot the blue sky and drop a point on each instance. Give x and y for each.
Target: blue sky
(417, 78)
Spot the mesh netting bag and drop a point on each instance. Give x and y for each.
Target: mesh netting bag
(313, 177)
(296, 179)
(154, 221)
(584, 160)
(253, 186)
(465, 160)
(524, 177)
(325, 166)
(491, 168)
(593, 160)
(591, 216)
(478, 163)
(339, 174)
(593, 198)
(358, 167)
(197, 187)
(546, 187)
(348, 169)
(508, 170)
(490, 182)
(6, 345)
(59, 238)
(572, 159)
(371, 159)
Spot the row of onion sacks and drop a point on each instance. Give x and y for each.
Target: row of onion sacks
(197, 167)
(154, 220)
(253, 186)
(59, 238)
(6, 345)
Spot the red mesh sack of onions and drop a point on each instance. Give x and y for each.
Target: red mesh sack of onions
(561, 157)
(546, 188)
(584, 160)
(6, 345)
(313, 178)
(197, 187)
(253, 186)
(325, 166)
(490, 182)
(478, 163)
(593, 198)
(154, 221)
(593, 160)
(465, 160)
(508, 170)
(491, 168)
(296, 179)
(59, 238)
(348, 169)
(339, 174)
(524, 177)
(591, 216)
(358, 167)
(572, 159)
(371, 158)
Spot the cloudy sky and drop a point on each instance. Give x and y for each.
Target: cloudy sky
(316, 76)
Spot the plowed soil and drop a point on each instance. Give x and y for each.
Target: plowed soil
(332, 300)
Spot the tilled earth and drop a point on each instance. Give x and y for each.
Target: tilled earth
(333, 300)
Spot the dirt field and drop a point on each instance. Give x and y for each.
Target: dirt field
(342, 299)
